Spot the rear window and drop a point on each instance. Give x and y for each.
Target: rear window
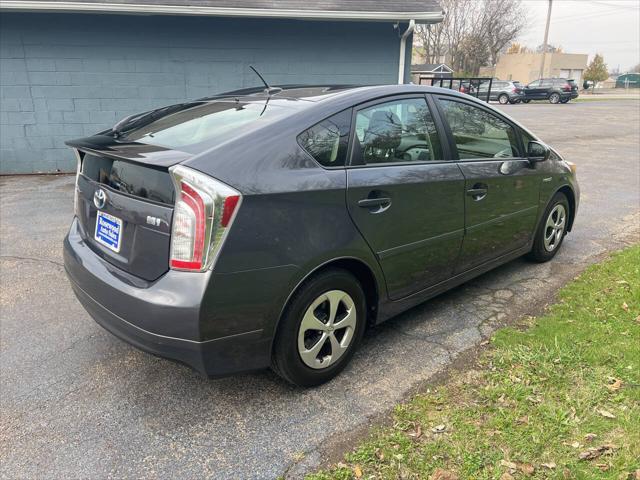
(192, 129)
(327, 141)
(132, 179)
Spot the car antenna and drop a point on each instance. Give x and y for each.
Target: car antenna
(269, 89)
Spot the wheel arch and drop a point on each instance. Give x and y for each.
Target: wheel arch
(571, 197)
(359, 269)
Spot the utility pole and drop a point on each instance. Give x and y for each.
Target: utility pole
(546, 39)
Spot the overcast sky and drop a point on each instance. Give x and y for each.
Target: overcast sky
(608, 27)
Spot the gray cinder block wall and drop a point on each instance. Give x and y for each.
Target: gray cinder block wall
(65, 76)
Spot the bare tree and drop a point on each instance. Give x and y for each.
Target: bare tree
(473, 33)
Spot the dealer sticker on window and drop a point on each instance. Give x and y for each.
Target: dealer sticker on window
(108, 231)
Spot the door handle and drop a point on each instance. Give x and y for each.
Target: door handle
(373, 202)
(478, 192)
(375, 205)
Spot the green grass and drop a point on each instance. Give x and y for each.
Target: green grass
(537, 399)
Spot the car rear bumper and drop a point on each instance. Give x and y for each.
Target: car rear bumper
(162, 317)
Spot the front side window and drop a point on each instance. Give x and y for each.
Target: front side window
(396, 132)
(478, 133)
(535, 84)
(328, 140)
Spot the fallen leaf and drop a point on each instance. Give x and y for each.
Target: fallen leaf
(625, 307)
(379, 454)
(523, 420)
(597, 452)
(603, 466)
(357, 471)
(615, 386)
(550, 465)
(416, 433)
(575, 444)
(509, 465)
(439, 428)
(606, 414)
(506, 476)
(526, 468)
(590, 437)
(441, 474)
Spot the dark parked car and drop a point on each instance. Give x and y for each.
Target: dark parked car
(502, 91)
(556, 90)
(272, 228)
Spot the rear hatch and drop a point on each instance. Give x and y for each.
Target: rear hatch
(124, 203)
(126, 199)
(574, 85)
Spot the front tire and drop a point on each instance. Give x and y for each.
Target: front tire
(552, 229)
(320, 329)
(503, 99)
(554, 98)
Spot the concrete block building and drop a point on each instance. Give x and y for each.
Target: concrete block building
(70, 69)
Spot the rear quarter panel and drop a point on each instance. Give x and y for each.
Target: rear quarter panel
(293, 219)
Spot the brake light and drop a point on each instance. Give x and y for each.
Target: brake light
(203, 213)
(567, 87)
(76, 200)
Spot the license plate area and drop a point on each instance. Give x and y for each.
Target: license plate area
(108, 231)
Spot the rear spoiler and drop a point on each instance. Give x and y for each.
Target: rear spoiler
(143, 153)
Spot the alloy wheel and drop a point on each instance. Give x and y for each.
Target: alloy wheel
(327, 329)
(554, 98)
(554, 228)
(503, 99)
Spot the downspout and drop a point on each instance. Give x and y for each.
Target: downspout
(403, 48)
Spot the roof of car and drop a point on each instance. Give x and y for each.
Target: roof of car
(422, 11)
(325, 93)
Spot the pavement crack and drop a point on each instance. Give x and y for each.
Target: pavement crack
(32, 259)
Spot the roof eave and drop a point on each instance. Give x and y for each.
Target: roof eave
(90, 7)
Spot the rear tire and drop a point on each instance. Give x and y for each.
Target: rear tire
(552, 229)
(503, 99)
(554, 98)
(310, 347)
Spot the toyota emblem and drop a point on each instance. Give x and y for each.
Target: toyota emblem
(99, 198)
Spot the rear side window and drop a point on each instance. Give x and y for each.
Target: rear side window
(478, 133)
(327, 141)
(396, 132)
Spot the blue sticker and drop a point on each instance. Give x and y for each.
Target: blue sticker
(108, 230)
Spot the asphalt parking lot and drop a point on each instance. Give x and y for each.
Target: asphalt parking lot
(78, 403)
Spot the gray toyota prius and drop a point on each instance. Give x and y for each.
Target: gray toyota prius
(272, 227)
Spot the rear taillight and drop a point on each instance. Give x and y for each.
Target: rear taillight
(203, 213)
(75, 191)
(567, 87)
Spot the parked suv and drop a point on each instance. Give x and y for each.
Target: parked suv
(271, 228)
(556, 90)
(502, 91)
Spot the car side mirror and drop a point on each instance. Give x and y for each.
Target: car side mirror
(537, 152)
